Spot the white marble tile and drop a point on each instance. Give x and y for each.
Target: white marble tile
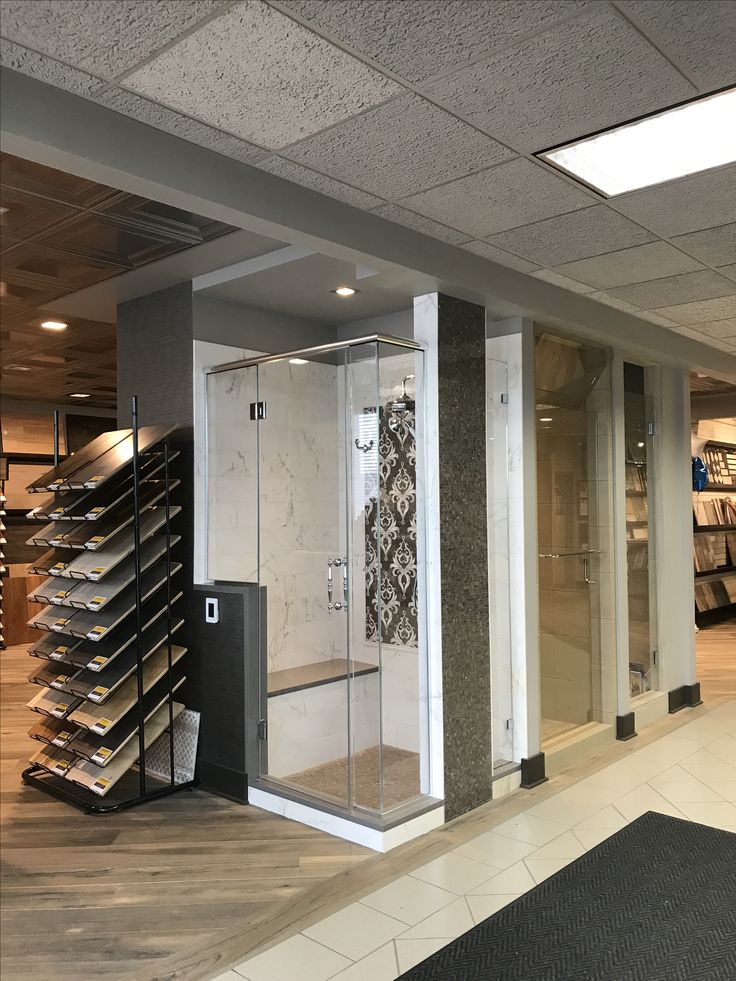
(296, 957)
(454, 872)
(355, 931)
(452, 921)
(409, 900)
(484, 906)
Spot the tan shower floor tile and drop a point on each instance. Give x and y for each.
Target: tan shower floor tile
(400, 777)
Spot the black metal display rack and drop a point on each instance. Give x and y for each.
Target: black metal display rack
(107, 667)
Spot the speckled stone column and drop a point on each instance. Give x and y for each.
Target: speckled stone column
(466, 674)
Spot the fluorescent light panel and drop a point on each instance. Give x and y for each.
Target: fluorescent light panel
(671, 144)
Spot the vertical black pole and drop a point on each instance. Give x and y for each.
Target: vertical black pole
(56, 437)
(138, 603)
(168, 610)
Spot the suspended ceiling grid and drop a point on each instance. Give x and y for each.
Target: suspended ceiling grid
(59, 234)
(429, 113)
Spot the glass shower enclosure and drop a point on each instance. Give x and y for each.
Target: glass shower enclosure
(315, 484)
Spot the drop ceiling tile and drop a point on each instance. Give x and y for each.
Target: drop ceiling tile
(572, 80)
(421, 38)
(701, 311)
(258, 74)
(699, 36)
(701, 285)
(46, 69)
(636, 265)
(654, 318)
(550, 276)
(511, 194)
(103, 38)
(297, 174)
(577, 235)
(718, 328)
(153, 114)
(386, 150)
(488, 251)
(689, 204)
(729, 271)
(613, 301)
(401, 216)
(716, 246)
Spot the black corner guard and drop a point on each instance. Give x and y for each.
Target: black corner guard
(532, 771)
(625, 726)
(687, 696)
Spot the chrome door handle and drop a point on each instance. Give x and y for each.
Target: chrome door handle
(329, 585)
(586, 569)
(337, 563)
(345, 584)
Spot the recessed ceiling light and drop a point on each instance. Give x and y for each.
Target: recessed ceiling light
(345, 291)
(545, 418)
(54, 325)
(298, 361)
(79, 395)
(662, 147)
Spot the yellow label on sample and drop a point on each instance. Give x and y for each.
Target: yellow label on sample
(98, 660)
(102, 724)
(96, 511)
(96, 632)
(96, 600)
(100, 690)
(96, 539)
(103, 752)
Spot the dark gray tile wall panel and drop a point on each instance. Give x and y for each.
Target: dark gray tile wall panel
(466, 679)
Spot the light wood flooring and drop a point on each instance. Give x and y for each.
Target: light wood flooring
(716, 659)
(112, 896)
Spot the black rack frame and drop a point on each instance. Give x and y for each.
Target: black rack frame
(79, 797)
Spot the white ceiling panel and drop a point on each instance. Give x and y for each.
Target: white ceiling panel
(613, 301)
(400, 148)
(488, 251)
(409, 219)
(46, 69)
(550, 276)
(701, 311)
(637, 265)
(297, 174)
(570, 81)
(577, 235)
(686, 205)
(256, 73)
(513, 193)
(699, 34)
(718, 328)
(716, 246)
(153, 114)
(729, 271)
(702, 285)
(100, 36)
(421, 38)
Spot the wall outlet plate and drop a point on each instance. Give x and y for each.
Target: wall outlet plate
(211, 610)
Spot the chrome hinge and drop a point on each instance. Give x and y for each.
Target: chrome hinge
(257, 411)
(509, 724)
(262, 729)
(505, 398)
(655, 656)
(651, 429)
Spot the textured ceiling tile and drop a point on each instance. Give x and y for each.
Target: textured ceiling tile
(570, 81)
(46, 69)
(636, 265)
(399, 149)
(729, 271)
(400, 216)
(319, 182)
(716, 246)
(160, 117)
(511, 194)
(488, 251)
(718, 328)
(654, 318)
(698, 33)
(687, 205)
(672, 290)
(257, 73)
(550, 276)
(702, 311)
(420, 38)
(577, 235)
(100, 37)
(613, 301)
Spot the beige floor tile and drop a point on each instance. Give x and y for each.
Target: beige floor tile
(355, 931)
(590, 837)
(566, 846)
(516, 879)
(495, 850)
(572, 806)
(645, 799)
(381, 965)
(229, 976)
(297, 957)
(724, 748)
(608, 818)
(724, 788)
(409, 900)
(716, 815)
(452, 921)
(411, 952)
(531, 829)
(687, 792)
(543, 868)
(454, 872)
(484, 906)
(707, 767)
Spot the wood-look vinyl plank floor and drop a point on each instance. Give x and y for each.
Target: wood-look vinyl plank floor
(716, 660)
(115, 896)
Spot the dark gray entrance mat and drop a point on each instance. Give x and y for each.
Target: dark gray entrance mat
(655, 902)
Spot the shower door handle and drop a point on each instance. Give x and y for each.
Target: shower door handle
(329, 585)
(345, 584)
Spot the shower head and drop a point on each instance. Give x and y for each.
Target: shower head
(404, 403)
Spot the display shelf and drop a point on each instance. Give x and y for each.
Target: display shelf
(715, 585)
(109, 657)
